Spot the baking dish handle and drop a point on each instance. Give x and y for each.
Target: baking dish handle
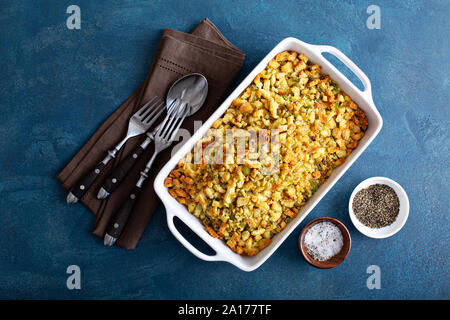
(186, 243)
(351, 65)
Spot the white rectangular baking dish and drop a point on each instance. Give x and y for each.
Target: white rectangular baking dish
(362, 98)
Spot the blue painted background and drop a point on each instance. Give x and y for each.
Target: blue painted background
(58, 85)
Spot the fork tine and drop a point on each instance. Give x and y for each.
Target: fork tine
(149, 108)
(172, 136)
(144, 107)
(173, 105)
(163, 124)
(168, 125)
(150, 118)
(176, 124)
(169, 117)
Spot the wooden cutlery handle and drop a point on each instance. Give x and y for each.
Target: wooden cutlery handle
(120, 172)
(119, 220)
(83, 185)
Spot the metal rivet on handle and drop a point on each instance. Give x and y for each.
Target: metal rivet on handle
(82, 187)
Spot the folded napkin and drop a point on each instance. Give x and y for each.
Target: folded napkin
(205, 50)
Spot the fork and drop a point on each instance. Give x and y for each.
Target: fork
(163, 139)
(138, 124)
(118, 174)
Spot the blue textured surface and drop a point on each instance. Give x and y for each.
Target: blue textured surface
(51, 76)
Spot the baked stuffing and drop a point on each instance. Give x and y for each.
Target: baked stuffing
(318, 126)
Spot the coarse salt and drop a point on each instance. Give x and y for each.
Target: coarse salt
(323, 240)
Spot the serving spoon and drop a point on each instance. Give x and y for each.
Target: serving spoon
(192, 90)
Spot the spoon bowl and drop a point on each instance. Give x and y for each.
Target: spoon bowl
(191, 89)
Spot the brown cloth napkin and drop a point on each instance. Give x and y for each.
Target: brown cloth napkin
(205, 50)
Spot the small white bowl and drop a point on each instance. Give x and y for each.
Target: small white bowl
(402, 214)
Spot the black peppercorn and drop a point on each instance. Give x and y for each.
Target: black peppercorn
(376, 206)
